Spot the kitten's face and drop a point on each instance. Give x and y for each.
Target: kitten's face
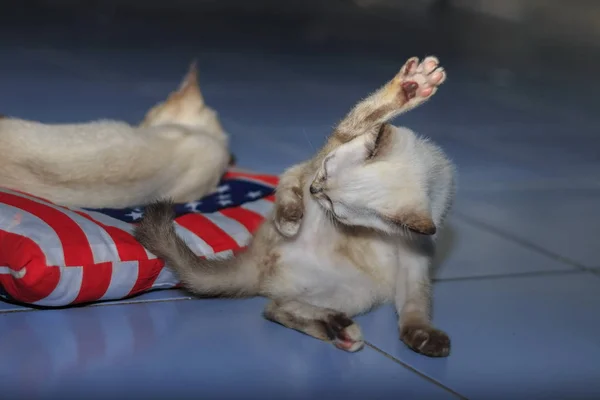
(376, 181)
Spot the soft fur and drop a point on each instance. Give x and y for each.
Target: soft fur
(352, 228)
(179, 151)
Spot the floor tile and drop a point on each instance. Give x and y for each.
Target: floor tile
(542, 145)
(512, 338)
(10, 307)
(478, 167)
(154, 296)
(188, 349)
(561, 222)
(466, 251)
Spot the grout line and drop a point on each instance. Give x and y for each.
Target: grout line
(510, 275)
(523, 242)
(416, 371)
(107, 304)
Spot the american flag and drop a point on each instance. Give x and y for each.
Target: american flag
(56, 256)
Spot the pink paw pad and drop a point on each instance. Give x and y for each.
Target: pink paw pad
(410, 89)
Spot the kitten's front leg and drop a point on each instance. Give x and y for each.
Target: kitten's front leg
(322, 323)
(413, 303)
(289, 207)
(413, 85)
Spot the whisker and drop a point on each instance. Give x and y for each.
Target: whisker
(308, 140)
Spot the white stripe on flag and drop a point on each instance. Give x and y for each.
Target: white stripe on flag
(124, 275)
(115, 223)
(195, 242)
(67, 289)
(166, 279)
(253, 180)
(262, 207)
(15, 274)
(103, 247)
(17, 221)
(233, 228)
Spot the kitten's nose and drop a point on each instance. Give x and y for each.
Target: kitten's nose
(313, 190)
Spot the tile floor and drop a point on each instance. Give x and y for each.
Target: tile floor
(517, 276)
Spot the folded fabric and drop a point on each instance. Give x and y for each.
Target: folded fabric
(56, 256)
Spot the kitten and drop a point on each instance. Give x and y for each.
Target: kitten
(352, 228)
(180, 150)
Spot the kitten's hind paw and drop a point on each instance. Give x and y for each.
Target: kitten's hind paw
(344, 333)
(426, 340)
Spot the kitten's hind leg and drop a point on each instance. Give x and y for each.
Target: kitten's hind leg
(413, 303)
(318, 322)
(413, 85)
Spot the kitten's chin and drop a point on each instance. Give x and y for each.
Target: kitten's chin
(326, 205)
(323, 201)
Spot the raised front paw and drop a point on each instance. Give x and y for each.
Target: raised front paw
(288, 215)
(426, 340)
(417, 81)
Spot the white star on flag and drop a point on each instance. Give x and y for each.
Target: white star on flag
(223, 188)
(135, 215)
(193, 206)
(225, 202)
(255, 194)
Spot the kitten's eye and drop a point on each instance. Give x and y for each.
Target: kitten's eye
(324, 176)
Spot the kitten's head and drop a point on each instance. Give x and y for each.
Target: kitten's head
(186, 106)
(376, 181)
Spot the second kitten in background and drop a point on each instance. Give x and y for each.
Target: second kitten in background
(180, 150)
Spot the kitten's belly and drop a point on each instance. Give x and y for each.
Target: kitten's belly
(322, 277)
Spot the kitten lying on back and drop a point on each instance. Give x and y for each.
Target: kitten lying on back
(352, 228)
(180, 150)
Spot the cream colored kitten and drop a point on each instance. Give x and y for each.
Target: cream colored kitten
(352, 228)
(179, 151)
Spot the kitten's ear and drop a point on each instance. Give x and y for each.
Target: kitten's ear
(416, 221)
(420, 223)
(380, 143)
(189, 87)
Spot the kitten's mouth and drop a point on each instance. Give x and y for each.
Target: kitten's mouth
(322, 199)
(327, 205)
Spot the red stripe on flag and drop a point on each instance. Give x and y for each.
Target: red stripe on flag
(94, 282)
(76, 248)
(270, 198)
(96, 278)
(40, 280)
(30, 195)
(148, 271)
(249, 219)
(128, 248)
(272, 180)
(208, 231)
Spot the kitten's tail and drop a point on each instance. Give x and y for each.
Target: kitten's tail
(232, 277)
